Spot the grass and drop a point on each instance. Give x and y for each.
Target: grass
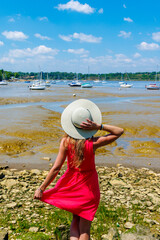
(53, 222)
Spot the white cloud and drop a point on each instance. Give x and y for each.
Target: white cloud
(82, 37)
(11, 19)
(148, 46)
(1, 43)
(28, 52)
(124, 5)
(66, 38)
(6, 60)
(80, 51)
(100, 11)
(156, 36)
(43, 19)
(18, 36)
(76, 6)
(87, 38)
(124, 34)
(137, 55)
(117, 60)
(37, 35)
(128, 19)
(122, 58)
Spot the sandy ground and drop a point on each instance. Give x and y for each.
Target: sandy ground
(31, 134)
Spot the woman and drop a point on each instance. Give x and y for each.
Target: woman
(77, 191)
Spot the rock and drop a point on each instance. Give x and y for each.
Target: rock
(4, 167)
(128, 236)
(119, 182)
(119, 165)
(11, 205)
(110, 236)
(109, 193)
(128, 225)
(150, 221)
(148, 203)
(36, 171)
(2, 175)
(120, 175)
(46, 158)
(105, 237)
(9, 183)
(33, 229)
(3, 235)
(154, 198)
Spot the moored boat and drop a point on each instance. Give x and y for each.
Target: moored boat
(86, 85)
(126, 85)
(152, 86)
(37, 85)
(3, 82)
(75, 84)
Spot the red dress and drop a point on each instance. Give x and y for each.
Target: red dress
(77, 191)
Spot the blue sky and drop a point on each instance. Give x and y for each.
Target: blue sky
(80, 36)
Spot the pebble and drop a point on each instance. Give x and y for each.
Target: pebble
(33, 229)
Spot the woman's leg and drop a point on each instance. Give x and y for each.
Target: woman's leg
(84, 227)
(74, 229)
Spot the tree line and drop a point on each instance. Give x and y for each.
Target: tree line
(8, 75)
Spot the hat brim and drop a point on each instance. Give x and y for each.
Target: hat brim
(69, 127)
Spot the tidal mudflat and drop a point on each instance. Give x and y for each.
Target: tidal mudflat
(30, 128)
(128, 169)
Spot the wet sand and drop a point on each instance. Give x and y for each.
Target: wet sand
(31, 134)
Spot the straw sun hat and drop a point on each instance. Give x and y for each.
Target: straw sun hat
(76, 113)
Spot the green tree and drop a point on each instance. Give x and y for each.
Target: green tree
(16, 75)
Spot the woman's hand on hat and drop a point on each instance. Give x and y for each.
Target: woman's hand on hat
(90, 125)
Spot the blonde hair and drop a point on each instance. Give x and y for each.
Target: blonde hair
(77, 149)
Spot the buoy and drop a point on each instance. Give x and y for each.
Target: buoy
(74, 95)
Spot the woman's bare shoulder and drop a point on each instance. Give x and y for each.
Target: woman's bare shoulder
(63, 143)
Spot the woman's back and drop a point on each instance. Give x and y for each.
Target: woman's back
(88, 162)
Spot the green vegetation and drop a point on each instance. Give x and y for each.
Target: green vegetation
(53, 222)
(140, 76)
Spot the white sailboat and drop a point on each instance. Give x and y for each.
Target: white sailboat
(47, 83)
(153, 86)
(38, 84)
(3, 82)
(75, 83)
(125, 84)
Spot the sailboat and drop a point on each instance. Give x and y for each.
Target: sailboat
(87, 84)
(47, 83)
(38, 84)
(153, 86)
(3, 82)
(124, 84)
(75, 83)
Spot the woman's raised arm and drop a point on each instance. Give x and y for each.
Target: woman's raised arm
(114, 133)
